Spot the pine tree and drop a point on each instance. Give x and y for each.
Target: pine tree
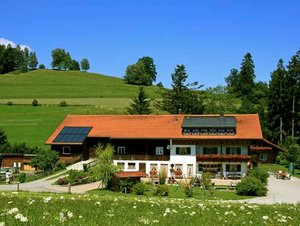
(140, 104)
(247, 76)
(181, 98)
(277, 101)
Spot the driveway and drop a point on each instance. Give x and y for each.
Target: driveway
(280, 191)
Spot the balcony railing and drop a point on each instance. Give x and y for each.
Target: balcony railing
(223, 158)
(142, 157)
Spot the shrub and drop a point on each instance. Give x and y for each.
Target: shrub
(62, 181)
(22, 177)
(139, 188)
(206, 181)
(35, 103)
(63, 104)
(251, 186)
(76, 177)
(188, 187)
(42, 66)
(126, 186)
(9, 103)
(260, 174)
(59, 166)
(161, 190)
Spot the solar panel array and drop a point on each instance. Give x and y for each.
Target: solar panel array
(72, 134)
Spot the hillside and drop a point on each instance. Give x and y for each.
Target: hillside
(66, 84)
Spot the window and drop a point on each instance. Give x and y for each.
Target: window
(190, 170)
(121, 150)
(263, 157)
(178, 170)
(159, 150)
(210, 150)
(212, 168)
(121, 165)
(66, 150)
(233, 151)
(233, 167)
(131, 165)
(183, 150)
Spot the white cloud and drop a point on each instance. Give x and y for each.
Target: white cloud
(4, 41)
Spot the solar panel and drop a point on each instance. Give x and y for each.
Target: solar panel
(209, 122)
(70, 134)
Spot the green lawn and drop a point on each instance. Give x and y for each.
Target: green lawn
(62, 209)
(178, 192)
(34, 125)
(66, 84)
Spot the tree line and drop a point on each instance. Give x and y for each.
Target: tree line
(23, 60)
(276, 102)
(12, 59)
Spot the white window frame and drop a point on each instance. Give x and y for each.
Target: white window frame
(121, 165)
(263, 157)
(133, 164)
(159, 150)
(64, 150)
(121, 150)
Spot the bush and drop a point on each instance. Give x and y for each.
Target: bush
(42, 66)
(77, 177)
(161, 190)
(251, 186)
(139, 188)
(22, 177)
(9, 103)
(126, 186)
(35, 103)
(63, 104)
(260, 174)
(62, 181)
(206, 181)
(59, 166)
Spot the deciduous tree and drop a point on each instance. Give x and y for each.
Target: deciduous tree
(85, 65)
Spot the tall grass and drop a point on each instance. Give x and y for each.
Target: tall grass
(57, 209)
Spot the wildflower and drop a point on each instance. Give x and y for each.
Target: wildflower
(192, 213)
(10, 202)
(61, 198)
(69, 214)
(79, 216)
(13, 210)
(62, 217)
(265, 218)
(242, 207)
(97, 203)
(20, 217)
(2, 223)
(47, 199)
(73, 198)
(134, 207)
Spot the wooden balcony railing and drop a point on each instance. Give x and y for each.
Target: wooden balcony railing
(223, 158)
(142, 157)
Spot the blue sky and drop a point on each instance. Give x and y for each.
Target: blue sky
(208, 37)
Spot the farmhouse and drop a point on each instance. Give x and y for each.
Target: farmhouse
(184, 145)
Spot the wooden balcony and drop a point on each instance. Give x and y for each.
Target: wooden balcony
(222, 158)
(142, 157)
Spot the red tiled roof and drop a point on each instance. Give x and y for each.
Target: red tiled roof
(123, 174)
(153, 127)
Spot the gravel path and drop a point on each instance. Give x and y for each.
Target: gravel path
(280, 191)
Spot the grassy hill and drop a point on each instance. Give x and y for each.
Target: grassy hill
(66, 84)
(85, 93)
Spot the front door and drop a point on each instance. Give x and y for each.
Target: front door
(142, 167)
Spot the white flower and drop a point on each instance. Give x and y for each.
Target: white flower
(265, 217)
(226, 213)
(98, 203)
(47, 199)
(20, 217)
(134, 207)
(13, 210)
(2, 223)
(62, 217)
(79, 216)
(69, 214)
(242, 207)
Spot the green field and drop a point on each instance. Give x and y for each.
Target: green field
(34, 125)
(61, 209)
(85, 93)
(66, 84)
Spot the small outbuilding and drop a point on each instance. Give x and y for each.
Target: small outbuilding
(132, 176)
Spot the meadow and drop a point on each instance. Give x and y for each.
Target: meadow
(66, 84)
(66, 209)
